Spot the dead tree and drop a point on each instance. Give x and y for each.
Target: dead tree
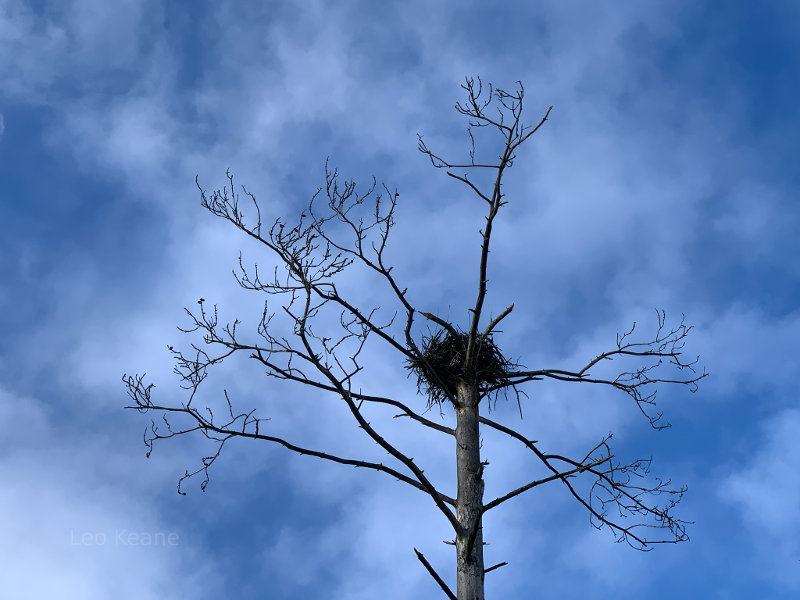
(460, 368)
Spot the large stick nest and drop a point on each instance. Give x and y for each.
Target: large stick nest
(442, 365)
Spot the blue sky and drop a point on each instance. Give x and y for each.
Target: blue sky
(666, 177)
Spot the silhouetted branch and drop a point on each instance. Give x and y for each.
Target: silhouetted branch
(537, 482)
(612, 487)
(666, 345)
(312, 258)
(435, 575)
(493, 567)
(243, 425)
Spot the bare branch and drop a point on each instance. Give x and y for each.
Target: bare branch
(665, 348)
(312, 258)
(277, 371)
(237, 426)
(537, 482)
(465, 179)
(440, 321)
(494, 322)
(514, 133)
(435, 575)
(493, 567)
(612, 487)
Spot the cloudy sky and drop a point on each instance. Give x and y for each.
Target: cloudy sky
(665, 178)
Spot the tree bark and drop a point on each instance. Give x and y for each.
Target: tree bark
(469, 541)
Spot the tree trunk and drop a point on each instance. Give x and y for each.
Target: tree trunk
(469, 544)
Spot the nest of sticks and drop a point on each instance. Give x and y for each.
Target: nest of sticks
(442, 366)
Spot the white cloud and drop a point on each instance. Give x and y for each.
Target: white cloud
(747, 350)
(767, 486)
(71, 506)
(766, 489)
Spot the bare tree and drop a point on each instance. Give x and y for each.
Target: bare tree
(459, 368)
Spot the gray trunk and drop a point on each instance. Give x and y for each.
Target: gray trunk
(470, 496)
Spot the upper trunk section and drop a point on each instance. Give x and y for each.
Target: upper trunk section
(469, 502)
